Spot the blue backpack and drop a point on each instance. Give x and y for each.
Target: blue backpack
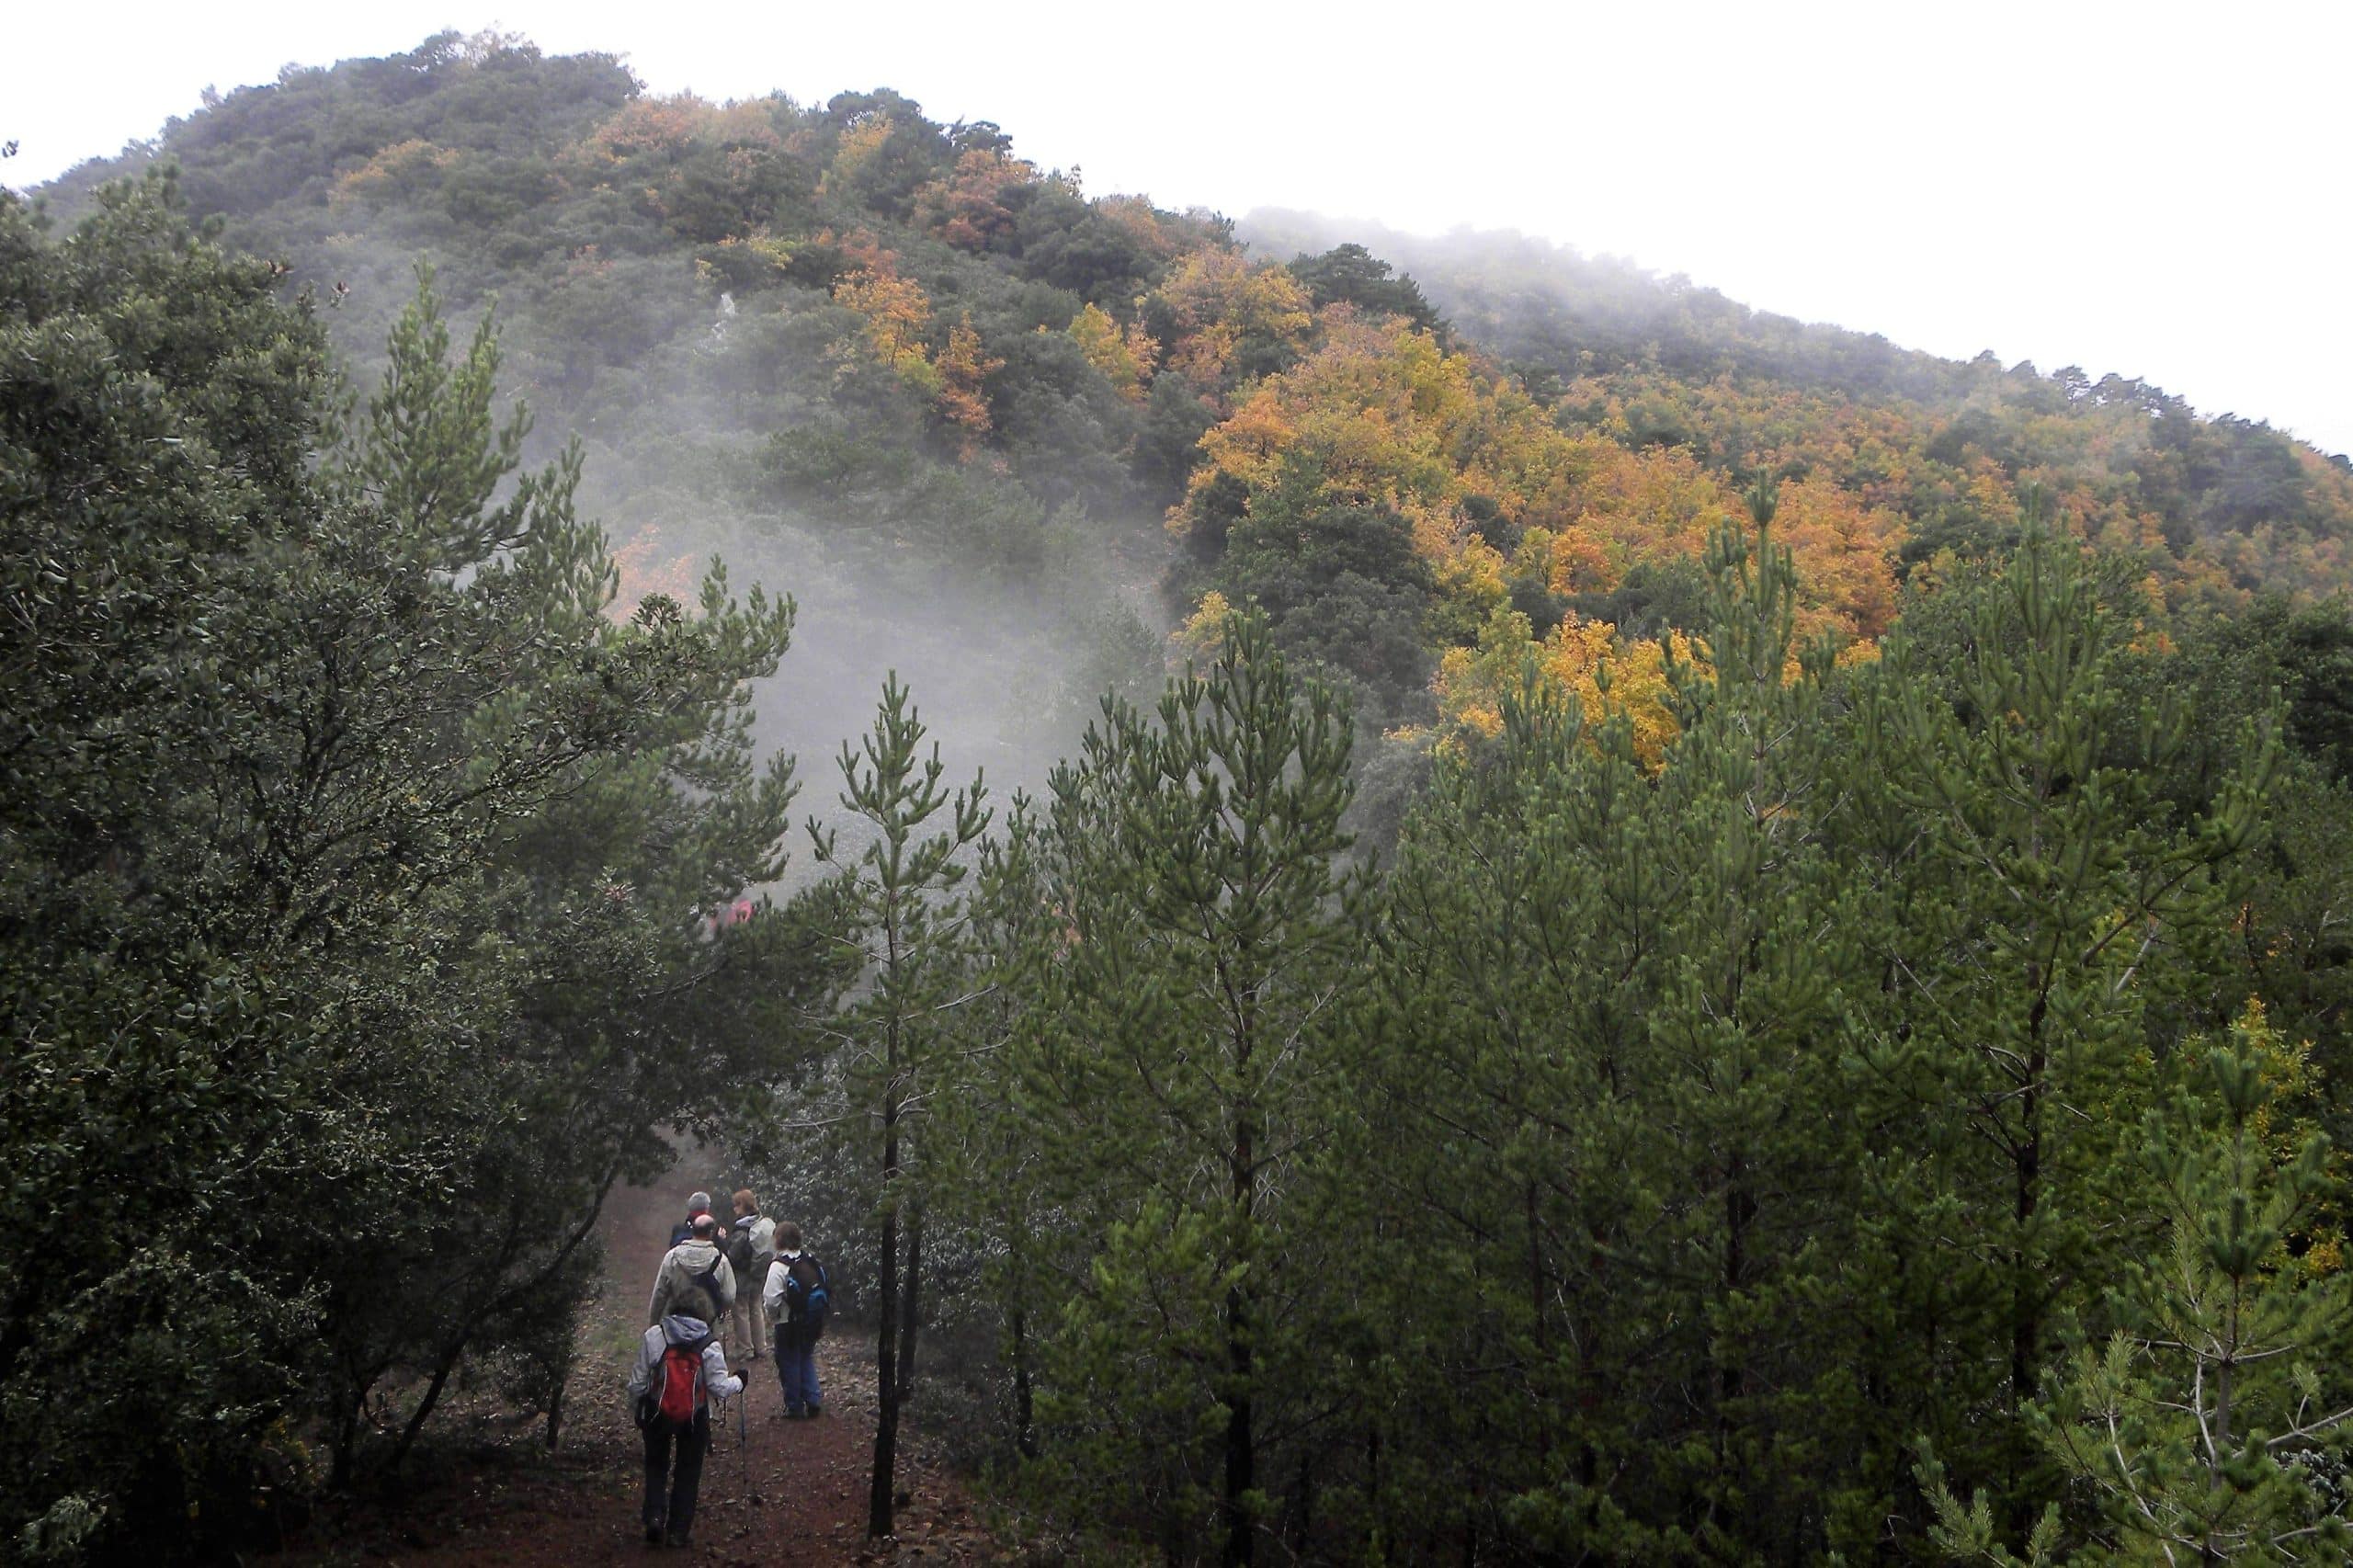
(810, 1302)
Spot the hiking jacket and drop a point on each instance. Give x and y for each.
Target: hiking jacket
(761, 1230)
(675, 1287)
(713, 1377)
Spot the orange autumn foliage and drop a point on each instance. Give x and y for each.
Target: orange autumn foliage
(1610, 678)
(1219, 298)
(644, 567)
(971, 208)
(962, 367)
(1384, 416)
(896, 313)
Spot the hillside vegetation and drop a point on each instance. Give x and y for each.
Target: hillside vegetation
(1709, 941)
(846, 333)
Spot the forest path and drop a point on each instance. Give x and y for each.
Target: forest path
(773, 1491)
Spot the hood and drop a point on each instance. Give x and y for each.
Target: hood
(682, 1331)
(697, 1256)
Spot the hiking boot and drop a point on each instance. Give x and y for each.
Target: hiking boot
(814, 1411)
(794, 1413)
(653, 1535)
(678, 1538)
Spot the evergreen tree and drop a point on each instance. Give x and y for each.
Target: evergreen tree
(2039, 910)
(2211, 1423)
(287, 927)
(901, 935)
(1191, 858)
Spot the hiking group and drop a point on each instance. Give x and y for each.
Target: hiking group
(682, 1364)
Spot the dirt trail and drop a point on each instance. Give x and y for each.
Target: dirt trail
(773, 1491)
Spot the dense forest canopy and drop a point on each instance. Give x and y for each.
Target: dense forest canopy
(1709, 941)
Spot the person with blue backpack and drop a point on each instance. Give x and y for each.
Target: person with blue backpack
(680, 1369)
(799, 1298)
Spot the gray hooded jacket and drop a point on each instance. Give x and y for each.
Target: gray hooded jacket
(718, 1382)
(675, 1287)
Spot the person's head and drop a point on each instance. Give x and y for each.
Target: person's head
(788, 1236)
(745, 1203)
(698, 1204)
(705, 1227)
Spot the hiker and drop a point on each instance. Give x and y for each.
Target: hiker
(799, 1297)
(684, 1229)
(750, 1242)
(680, 1369)
(694, 1279)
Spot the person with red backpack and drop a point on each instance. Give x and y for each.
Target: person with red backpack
(680, 1369)
(799, 1298)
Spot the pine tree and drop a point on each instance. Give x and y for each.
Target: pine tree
(2039, 906)
(901, 932)
(1192, 858)
(2212, 1423)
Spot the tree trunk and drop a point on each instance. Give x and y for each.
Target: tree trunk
(1240, 1453)
(2025, 1283)
(1739, 1210)
(449, 1363)
(879, 1499)
(911, 1303)
(1541, 1410)
(2025, 1312)
(347, 1438)
(1025, 1428)
(1240, 1456)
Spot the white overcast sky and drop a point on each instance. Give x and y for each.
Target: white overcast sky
(2148, 189)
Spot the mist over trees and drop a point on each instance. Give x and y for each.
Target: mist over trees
(1709, 941)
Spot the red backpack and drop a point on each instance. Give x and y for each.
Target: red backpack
(681, 1384)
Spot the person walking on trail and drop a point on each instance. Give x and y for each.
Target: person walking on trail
(694, 1279)
(699, 1204)
(680, 1369)
(751, 1243)
(799, 1297)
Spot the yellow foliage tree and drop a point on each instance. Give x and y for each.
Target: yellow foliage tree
(1219, 299)
(395, 172)
(1385, 417)
(962, 367)
(897, 313)
(1126, 359)
(1609, 676)
(857, 148)
(1203, 632)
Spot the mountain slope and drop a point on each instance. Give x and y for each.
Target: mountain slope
(893, 365)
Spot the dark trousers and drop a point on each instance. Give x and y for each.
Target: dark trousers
(796, 1369)
(689, 1445)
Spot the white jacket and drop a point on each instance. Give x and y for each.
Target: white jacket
(772, 1293)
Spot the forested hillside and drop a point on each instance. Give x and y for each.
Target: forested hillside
(1637, 933)
(843, 338)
